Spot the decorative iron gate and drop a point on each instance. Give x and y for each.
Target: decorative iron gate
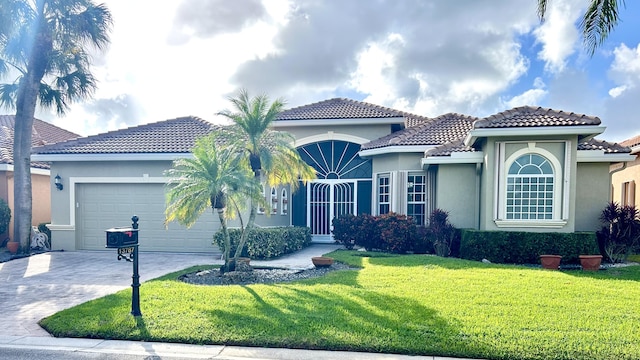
(328, 199)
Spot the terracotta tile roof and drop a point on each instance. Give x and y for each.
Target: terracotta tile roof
(43, 133)
(437, 131)
(634, 141)
(415, 120)
(608, 147)
(340, 108)
(169, 136)
(449, 148)
(529, 116)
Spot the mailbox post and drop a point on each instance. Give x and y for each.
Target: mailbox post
(126, 241)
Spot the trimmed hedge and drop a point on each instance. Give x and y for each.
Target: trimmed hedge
(266, 243)
(390, 232)
(516, 247)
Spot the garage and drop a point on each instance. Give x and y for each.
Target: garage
(100, 206)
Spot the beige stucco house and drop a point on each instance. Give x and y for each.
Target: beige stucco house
(626, 175)
(43, 133)
(528, 168)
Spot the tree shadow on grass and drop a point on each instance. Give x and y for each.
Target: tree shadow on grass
(348, 318)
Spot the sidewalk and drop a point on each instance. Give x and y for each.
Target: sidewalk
(217, 352)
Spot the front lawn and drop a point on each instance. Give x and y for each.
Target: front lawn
(409, 304)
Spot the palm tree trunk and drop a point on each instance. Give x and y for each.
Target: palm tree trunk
(227, 240)
(22, 195)
(26, 101)
(251, 221)
(245, 231)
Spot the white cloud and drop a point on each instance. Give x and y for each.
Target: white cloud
(558, 34)
(625, 69)
(529, 97)
(617, 91)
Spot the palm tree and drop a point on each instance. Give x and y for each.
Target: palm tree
(216, 176)
(271, 154)
(597, 23)
(45, 44)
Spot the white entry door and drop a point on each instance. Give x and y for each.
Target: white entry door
(327, 199)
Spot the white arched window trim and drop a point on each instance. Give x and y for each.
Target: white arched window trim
(284, 199)
(274, 200)
(558, 189)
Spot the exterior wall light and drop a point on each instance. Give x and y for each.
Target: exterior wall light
(58, 182)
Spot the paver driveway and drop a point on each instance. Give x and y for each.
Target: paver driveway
(34, 287)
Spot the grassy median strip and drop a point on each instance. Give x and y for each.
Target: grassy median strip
(409, 304)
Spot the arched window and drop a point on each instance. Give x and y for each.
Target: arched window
(335, 159)
(284, 199)
(530, 188)
(274, 201)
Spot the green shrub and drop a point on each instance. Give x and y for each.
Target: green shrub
(266, 243)
(518, 247)
(5, 216)
(620, 234)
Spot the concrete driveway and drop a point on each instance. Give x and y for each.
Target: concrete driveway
(35, 287)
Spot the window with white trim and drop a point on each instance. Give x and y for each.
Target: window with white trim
(284, 199)
(274, 201)
(629, 193)
(384, 194)
(416, 197)
(530, 188)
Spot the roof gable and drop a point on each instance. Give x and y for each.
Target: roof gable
(529, 116)
(168, 136)
(607, 147)
(42, 133)
(437, 131)
(340, 108)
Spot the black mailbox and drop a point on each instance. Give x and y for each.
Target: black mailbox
(121, 237)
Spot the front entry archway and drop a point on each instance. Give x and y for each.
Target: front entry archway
(343, 186)
(326, 200)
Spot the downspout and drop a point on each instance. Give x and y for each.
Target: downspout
(624, 166)
(477, 198)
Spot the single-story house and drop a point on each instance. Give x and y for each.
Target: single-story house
(43, 133)
(528, 168)
(625, 176)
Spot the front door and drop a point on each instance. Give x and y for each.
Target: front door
(326, 200)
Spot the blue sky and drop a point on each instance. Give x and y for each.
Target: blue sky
(475, 57)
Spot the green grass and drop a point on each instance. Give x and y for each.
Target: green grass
(409, 304)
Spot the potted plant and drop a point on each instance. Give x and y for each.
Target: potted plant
(322, 261)
(551, 262)
(590, 262)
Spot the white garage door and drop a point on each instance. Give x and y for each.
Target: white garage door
(103, 206)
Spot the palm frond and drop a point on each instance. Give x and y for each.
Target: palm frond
(194, 182)
(599, 19)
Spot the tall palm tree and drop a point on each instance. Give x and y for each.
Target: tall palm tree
(216, 176)
(597, 23)
(271, 154)
(44, 47)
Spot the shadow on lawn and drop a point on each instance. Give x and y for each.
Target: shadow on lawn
(355, 319)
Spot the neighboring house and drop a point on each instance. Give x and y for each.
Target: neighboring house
(43, 134)
(626, 175)
(530, 169)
